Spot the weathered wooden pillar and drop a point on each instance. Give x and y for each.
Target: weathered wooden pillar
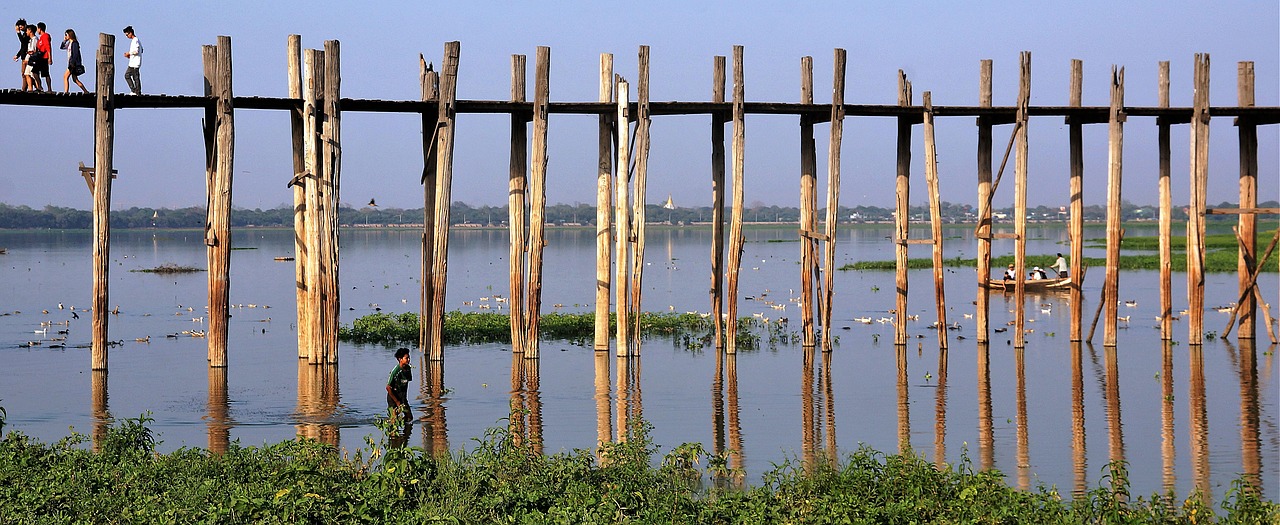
(517, 195)
(331, 151)
(444, 183)
(739, 195)
(217, 229)
(430, 84)
(641, 178)
(1166, 211)
(1020, 201)
(1199, 168)
(1115, 158)
(313, 82)
(622, 232)
(717, 201)
(537, 201)
(902, 213)
(300, 248)
(1246, 227)
(935, 219)
(808, 220)
(1075, 221)
(104, 134)
(833, 194)
(604, 206)
(983, 233)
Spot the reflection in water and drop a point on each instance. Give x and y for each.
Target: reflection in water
(604, 415)
(101, 415)
(986, 434)
(1078, 456)
(1199, 423)
(940, 413)
(435, 434)
(1250, 437)
(816, 398)
(218, 421)
(1115, 430)
(317, 401)
(828, 390)
(1168, 450)
(904, 404)
(629, 404)
(526, 402)
(1024, 454)
(808, 426)
(725, 398)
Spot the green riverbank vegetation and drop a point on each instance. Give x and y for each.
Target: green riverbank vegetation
(502, 479)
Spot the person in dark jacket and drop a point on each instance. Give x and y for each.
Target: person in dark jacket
(23, 46)
(75, 65)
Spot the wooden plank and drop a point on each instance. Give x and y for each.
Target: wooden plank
(641, 176)
(1199, 168)
(1166, 212)
(930, 241)
(218, 225)
(717, 200)
(902, 207)
(1252, 210)
(104, 133)
(808, 206)
(935, 219)
(1020, 202)
(604, 205)
(1247, 222)
(622, 232)
(1115, 157)
(983, 232)
(817, 236)
(429, 80)
(537, 199)
(839, 60)
(1075, 220)
(517, 196)
(739, 196)
(300, 252)
(444, 184)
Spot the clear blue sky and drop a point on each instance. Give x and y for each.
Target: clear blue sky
(159, 153)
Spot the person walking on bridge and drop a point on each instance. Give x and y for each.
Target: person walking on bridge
(134, 54)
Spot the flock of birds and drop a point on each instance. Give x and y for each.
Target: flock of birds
(60, 335)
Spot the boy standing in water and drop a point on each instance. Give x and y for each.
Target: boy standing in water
(398, 386)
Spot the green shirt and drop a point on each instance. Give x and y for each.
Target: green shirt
(399, 381)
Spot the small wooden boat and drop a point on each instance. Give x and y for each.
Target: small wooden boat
(1062, 284)
(284, 258)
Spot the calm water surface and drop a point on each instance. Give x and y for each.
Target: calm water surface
(1053, 413)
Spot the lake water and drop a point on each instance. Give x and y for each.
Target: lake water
(1054, 413)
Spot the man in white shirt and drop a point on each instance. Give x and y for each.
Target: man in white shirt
(135, 61)
(1060, 265)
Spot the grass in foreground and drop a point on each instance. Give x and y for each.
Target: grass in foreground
(501, 481)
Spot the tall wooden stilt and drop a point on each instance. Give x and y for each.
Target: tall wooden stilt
(935, 218)
(517, 194)
(622, 220)
(717, 201)
(1247, 222)
(604, 206)
(739, 195)
(1075, 220)
(217, 236)
(902, 213)
(537, 200)
(300, 248)
(444, 182)
(1115, 158)
(331, 151)
(104, 135)
(641, 177)
(833, 193)
(808, 214)
(1020, 202)
(430, 84)
(983, 233)
(1166, 212)
(313, 81)
(1199, 183)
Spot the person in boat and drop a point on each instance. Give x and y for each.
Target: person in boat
(1009, 274)
(1060, 266)
(1037, 274)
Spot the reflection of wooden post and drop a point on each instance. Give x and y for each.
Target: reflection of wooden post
(331, 151)
(1199, 183)
(604, 417)
(808, 215)
(1020, 202)
(435, 431)
(904, 401)
(517, 195)
(443, 194)
(430, 83)
(940, 413)
(935, 218)
(828, 393)
(1166, 212)
(300, 247)
(739, 195)
(218, 221)
(1115, 434)
(219, 429)
(604, 205)
(1199, 424)
(1247, 222)
(638, 204)
(1080, 459)
(986, 431)
(622, 233)
(1075, 224)
(537, 200)
(533, 403)
(101, 413)
(984, 208)
(1168, 445)
(833, 194)
(738, 457)
(104, 133)
(1024, 448)
(1115, 158)
(901, 216)
(717, 201)
(807, 426)
(1250, 434)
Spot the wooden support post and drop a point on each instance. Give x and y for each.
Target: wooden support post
(429, 80)
(1199, 183)
(717, 201)
(739, 195)
(300, 248)
(444, 183)
(833, 193)
(902, 213)
(622, 219)
(808, 209)
(1020, 202)
(104, 134)
(1166, 212)
(1075, 221)
(1247, 222)
(537, 199)
(984, 209)
(313, 82)
(1115, 158)
(217, 235)
(604, 205)
(935, 218)
(331, 149)
(641, 177)
(517, 195)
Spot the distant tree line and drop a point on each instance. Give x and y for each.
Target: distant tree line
(57, 217)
